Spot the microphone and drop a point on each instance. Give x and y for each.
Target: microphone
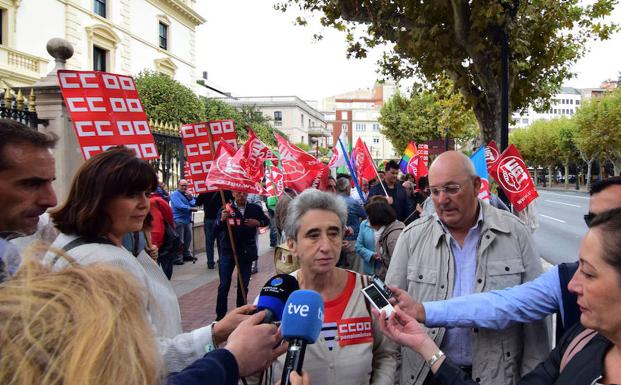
(302, 320)
(274, 294)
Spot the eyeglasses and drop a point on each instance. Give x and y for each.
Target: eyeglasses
(588, 218)
(450, 189)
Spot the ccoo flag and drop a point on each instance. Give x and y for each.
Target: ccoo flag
(480, 166)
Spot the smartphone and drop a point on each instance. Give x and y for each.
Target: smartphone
(377, 281)
(377, 298)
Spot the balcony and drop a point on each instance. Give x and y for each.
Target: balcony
(20, 69)
(318, 131)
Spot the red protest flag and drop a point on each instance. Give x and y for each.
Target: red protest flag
(514, 179)
(421, 167)
(363, 161)
(256, 153)
(229, 171)
(106, 111)
(492, 156)
(198, 151)
(300, 169)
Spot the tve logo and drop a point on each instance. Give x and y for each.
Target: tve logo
(303, 310)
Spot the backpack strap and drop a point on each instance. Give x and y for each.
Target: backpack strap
(79, 241)
(575, 346)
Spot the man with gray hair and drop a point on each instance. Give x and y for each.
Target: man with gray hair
(355, 214)
(468, 247)
(27, 170)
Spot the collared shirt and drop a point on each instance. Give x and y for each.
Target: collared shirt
(457, 342)
(498, 309)
(181, 207)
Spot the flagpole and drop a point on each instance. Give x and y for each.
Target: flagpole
(240, 281)
(350, 168)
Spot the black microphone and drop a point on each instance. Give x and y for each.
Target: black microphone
(301, 324)
(274, 294)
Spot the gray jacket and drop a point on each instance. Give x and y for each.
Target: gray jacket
(423, 265)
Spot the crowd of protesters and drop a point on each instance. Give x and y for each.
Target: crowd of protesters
(85, 294)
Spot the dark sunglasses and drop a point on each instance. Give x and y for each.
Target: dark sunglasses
(588, 218)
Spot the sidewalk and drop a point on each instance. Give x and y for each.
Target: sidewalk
(197, 287)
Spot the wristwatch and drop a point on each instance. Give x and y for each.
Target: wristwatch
(439, 354)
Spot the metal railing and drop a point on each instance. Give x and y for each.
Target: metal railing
(17, 107)
(169, 166)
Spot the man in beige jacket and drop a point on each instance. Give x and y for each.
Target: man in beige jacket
(468, 246)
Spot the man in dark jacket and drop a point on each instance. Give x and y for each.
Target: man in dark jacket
(397, 196)
(244, 219)
(212, 203)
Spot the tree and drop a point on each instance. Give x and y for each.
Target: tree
(544, 135)
(246, 116)
(166, 100)
(566, 143)
(463, 40)
(425, 115)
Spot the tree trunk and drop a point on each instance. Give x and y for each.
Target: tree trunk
(550, 175)
(487, 113)
(567, 175)
(588, 177)
(617, 166)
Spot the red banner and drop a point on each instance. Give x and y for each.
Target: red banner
(363, 161)
(301, 170)
(492, 156)
(256, 153)
(421, 168)
(106, 111)
(198, 151)
(423, 150)
(229, 171)
(188, 176)
(514, 179)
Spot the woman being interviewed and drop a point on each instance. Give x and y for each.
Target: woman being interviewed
(343, 354)
(589, 353)
(109, 198)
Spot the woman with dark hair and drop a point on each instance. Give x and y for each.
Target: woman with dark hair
(109, 198)
(383, 219)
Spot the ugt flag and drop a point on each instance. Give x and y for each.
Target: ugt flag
(480, 166)
(514, 179)
(362, 160)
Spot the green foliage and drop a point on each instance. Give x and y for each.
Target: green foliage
(166, 100)
(547, 142)
(463, 40)
(303, 146)
(425, 115)
(598, 132)
(247, 116)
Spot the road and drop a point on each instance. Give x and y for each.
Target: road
(561, 225)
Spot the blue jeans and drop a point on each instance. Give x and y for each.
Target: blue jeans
(226, 264)
(185, 233)
(210, 239)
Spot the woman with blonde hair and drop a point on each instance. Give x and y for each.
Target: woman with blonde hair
(82, 325)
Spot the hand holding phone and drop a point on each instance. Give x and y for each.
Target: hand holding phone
(378, 299)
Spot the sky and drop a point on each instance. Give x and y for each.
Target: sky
(250, 49)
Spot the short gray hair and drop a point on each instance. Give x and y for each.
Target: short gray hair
(342, 184)
(312, 199)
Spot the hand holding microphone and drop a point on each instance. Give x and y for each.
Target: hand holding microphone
(302, 320)
(274, 295)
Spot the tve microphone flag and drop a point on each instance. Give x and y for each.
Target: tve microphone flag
(301, 323)
(274, 295)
